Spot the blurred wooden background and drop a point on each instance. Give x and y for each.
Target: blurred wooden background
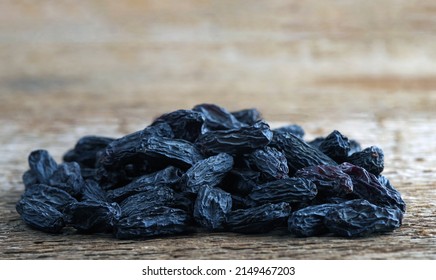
(367, 68)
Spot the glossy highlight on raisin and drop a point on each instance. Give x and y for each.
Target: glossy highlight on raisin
(209, 169)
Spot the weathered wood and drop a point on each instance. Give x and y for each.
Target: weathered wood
(71, 69)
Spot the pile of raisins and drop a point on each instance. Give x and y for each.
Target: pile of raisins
(214, 170)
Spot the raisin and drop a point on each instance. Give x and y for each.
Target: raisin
(152, 196)
(168, 177)
(336, 146)
(175, 152)
(294, 129)
(392, 192)
(54, 197)
(330, 180)
(367, 186)
(86, 150)
(154, 221)
(309, 221)
(208, 172)
(157, 130)
(248, 116)
(211, 207)
(298, 153)
(372, 159)
(40, 216)
(235, 141)
(92, 216)
(123, 150)
(68, 178)
(288, 190)
(270, 162)
(29, 178)
(217, 118)
(359, 217)
(42, 165)
(186, 124)
(258, 219)
(92, 191)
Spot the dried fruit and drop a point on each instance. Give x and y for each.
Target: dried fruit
(92, 191)
(40, 216)
(208, 172)
(395, 194)
(186, 124)
(154, 221)
(298, 153)
(309, 221)
(294, 129)
(151, 197)
(372, 159)
(270, 162)
(330, 180)
(86, 150)
(217, 118)
(167, 177)
(336, 146)
(68, 177)
(367, 186)
(211, 207)
(54, 197)
(29, 178)
(235, 141)
(248, 116)
(289, 190)
(357, 218)
(92, 216)
(216, 170)
(258, 219)
(42, 165)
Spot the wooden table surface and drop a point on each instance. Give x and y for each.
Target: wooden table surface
(74, 68)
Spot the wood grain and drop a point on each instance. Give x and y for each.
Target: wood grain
(72, 68)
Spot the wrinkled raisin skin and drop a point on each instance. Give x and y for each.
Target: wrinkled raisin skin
(208, 172)
(258, 219)
(92, 216)
(217, 118)
(289, 190)
(367, 186)
(357, 218)
(186, 124)
(330, 180)
(156, 221)
(294, 129)
(42, 165)
(211, 207)
(336, 146)
(270, 162)
(40, 216)
(298, 153)
(235, 141)
(309, 221)
(371, 159)
(248, 116)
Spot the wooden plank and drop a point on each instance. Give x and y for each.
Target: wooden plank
(71, 69)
